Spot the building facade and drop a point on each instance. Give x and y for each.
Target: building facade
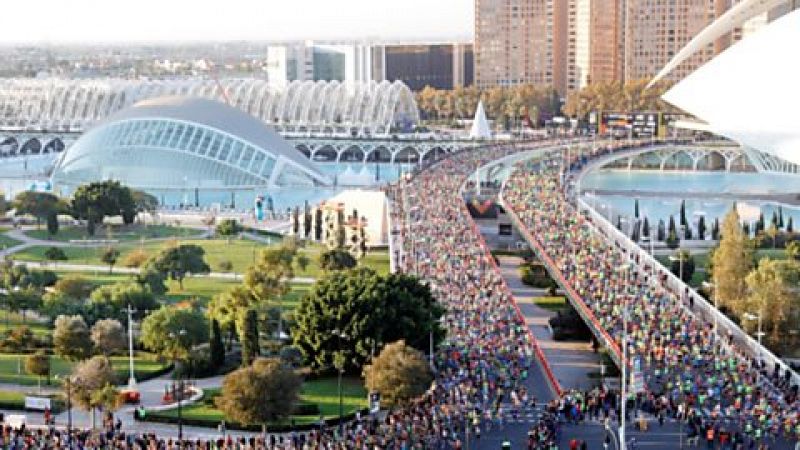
(521, 42)
(441, 66)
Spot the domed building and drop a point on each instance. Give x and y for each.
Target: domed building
(180, 142)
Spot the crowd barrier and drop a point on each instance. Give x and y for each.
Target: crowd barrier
(725, 325)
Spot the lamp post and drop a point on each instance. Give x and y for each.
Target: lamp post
(338, 363)
(625, 268)
(68, 384)
(179, 392)
(750, 316)
(132, 378)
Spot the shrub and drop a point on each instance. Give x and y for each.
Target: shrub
(135, 258)
(55, 254)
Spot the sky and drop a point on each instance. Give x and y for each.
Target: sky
(70, 21)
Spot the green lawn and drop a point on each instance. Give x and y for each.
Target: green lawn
(377, 260)
(13, 320)
(550, 303)
(321, 392)
(701, 263)
(198, 288)
(116, 232)
(12, 368)
(7, 242)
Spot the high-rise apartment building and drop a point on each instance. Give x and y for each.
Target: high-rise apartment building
(520, 42)
(654, 30)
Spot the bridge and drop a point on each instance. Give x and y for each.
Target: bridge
(319, 148)
(434, 238)
(697, 156)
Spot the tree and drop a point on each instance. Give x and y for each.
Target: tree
(229, 228)
(264, 392)
(136, 258)
(672, 241)
(38, 364)
(773, 232)
(91, 383)
(733, 260)
(151, 279)
(780, 216)
(95, 201)
(74, 286)
(760, 224)
(268, 279)
(701, 228)
(400, 373)
(71, 338)
(108, 336)
(715, 230)
(52, 224)
(40, 205)
(636, 208)
(109, 256)
(225, 266)
(250, 344)
(790, 225)
(144, 202)
(306, 221)
(172, 331)
(770, 294)
(646, 228)
(229, 307)
(684, 222)
(318, 224)
(55, 254)
(660, 232)
(355, 312)
(296, 221)
(793, 250)
(337, 259)
(176, 262)
(216, 346)
(121, 295)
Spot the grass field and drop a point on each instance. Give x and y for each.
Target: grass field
(116, 232)
(701, 263)
(12, 368)
(13, 320)
(241, 254)
(550, 303)
(199, 288)
(7, 242)
(322, 392)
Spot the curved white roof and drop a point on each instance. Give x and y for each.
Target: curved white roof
(174, 142)
(219, 116)
(737, 15)
(301, 106)
(750, 92)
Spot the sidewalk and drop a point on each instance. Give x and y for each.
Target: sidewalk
(571, 362)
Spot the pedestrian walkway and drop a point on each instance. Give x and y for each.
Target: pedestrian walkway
(571, 362)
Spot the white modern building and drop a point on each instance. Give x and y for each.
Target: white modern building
(750, 92)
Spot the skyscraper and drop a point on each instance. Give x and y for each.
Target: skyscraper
(521, 42)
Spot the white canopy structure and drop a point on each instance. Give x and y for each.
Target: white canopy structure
(369, 108)
(750, 92)
(737, 15)
(480, 126)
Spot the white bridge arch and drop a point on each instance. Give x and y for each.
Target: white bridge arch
(366, 109)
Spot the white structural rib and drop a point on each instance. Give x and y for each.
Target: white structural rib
(727, 22)
(750, 92)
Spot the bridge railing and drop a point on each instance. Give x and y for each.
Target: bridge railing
(574, 298)
(725, 326)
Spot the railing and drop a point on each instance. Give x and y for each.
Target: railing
(586, 314)
(745, 342)
(548, 371)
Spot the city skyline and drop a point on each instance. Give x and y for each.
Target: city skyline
(92, 21)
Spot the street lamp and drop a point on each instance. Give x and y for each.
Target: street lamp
(132, 378)
(68, 383)
(179, 391)
(338, 363)
(750, 316)
(625, 269)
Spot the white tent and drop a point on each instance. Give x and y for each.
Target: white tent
(480, 126)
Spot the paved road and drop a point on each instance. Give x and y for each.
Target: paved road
(571, 362)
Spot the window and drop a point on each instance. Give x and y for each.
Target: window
(247, 158)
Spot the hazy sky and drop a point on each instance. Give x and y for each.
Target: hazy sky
(57, 21)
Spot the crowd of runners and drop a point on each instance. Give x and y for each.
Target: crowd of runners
(688, 368)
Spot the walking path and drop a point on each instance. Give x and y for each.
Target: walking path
(571, 361)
